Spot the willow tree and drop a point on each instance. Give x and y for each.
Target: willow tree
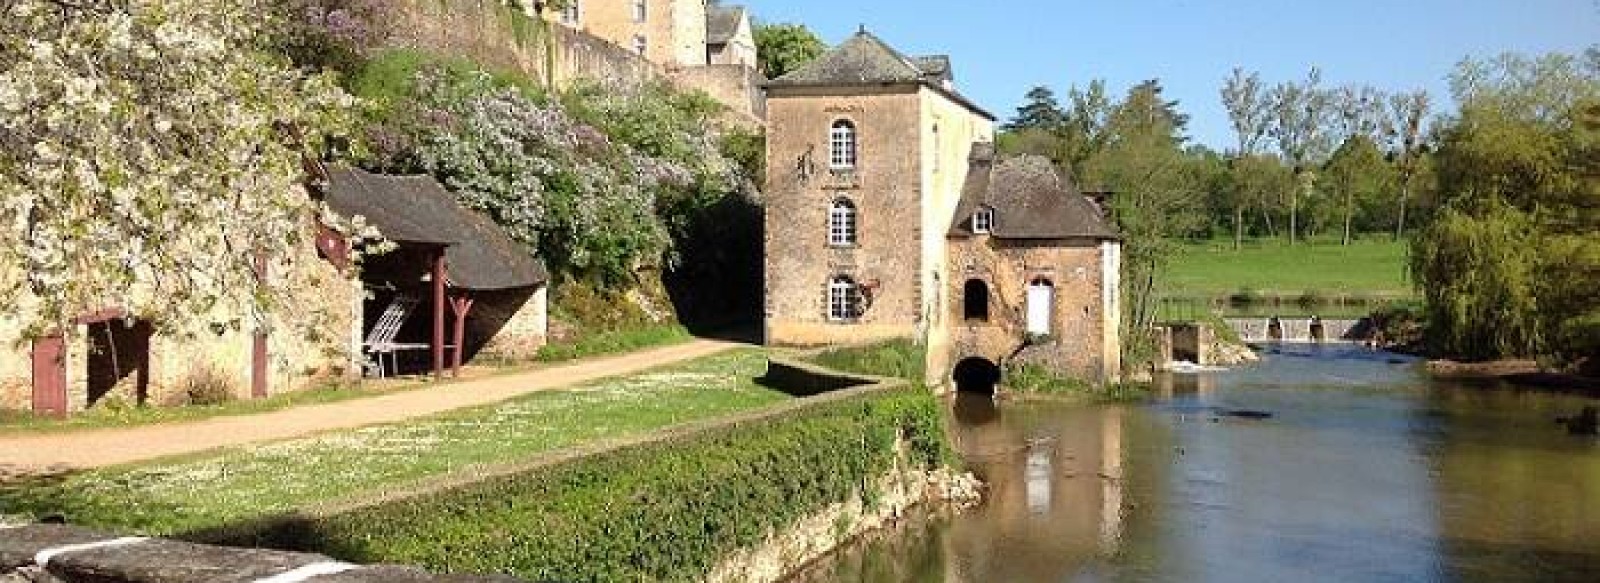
(1509, 265)
(150, 155)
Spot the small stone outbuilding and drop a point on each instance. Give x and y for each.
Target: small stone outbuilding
(1034, 275)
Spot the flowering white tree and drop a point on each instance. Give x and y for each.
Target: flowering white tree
(150, 153)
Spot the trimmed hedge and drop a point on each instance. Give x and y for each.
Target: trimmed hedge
(662, 511)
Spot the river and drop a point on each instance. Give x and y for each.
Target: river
(1366, 470)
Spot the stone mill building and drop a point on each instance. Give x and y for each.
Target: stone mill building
(888, 215)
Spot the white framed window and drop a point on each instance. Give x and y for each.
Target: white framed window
(842, 223)
(641, 12)
(572, 13)
(1041, 303)
(640, 43)
(983, 220)
(844, 299)
(842, 145)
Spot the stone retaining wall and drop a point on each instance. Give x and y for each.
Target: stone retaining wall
(54, 553)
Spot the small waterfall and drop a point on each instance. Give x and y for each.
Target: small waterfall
(1300, 329)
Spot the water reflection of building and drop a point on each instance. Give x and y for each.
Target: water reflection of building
(1056, 493)
(1169, 385)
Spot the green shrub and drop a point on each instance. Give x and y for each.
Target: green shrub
(665, 511)
(1037, 380)
(1311, 299)
(1246, 296)
(896, 358)
(615, 341)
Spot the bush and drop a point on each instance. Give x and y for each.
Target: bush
(665, 511)
(1311, 299)
(1038, 380)
(896, 358)
(1245, 297)
(205, 385)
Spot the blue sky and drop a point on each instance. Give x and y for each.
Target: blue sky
(1003, 47)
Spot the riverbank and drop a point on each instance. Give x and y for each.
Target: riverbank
(1518, 372)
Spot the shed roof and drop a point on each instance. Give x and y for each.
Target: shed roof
(417, 210)
(1031, 199)
(722, 23)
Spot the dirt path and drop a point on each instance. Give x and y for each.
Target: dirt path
(54, 452)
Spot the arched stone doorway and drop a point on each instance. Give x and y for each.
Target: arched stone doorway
(976, 374)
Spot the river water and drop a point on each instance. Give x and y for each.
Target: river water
(1364, 471)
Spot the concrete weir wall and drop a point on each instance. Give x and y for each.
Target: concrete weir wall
(1299, 329)
(57, 553)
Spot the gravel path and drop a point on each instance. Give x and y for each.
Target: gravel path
(58, 452)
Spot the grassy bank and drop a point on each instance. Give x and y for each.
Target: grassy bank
(662, 511)
(210, 490)
(615, 342)
(1367, 270)
(896, 358)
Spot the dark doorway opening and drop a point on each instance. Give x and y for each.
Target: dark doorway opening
(976, 375)
(975, 300)
(1274, 329)
(118, 350)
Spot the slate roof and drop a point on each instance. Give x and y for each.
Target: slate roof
(1031, 198)
(417, 210)
(864, 59)
(722, 22)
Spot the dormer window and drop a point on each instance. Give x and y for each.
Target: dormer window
(983, 221)
(842, 145)
(571, 13)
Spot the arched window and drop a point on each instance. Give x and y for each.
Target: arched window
(983, 220)
(842, 145)
(1041, 304)
(975, 300)
(844, 299)
(842, 223)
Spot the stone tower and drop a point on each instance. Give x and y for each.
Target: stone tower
(867, 152)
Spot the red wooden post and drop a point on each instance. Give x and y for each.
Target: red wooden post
(438, 314)
(258, 348)
(50, 375)
(460, 306)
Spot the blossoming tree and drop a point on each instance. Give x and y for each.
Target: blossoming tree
(150, 157)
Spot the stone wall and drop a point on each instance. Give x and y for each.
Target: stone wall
(885, 187)
(490, 33)
(51, 553)
(516, 323)
(129, 361)
(737, 86)
(1075, 343)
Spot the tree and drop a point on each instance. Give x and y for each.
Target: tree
(782, 47)
(1508, 266)
(1407, 112)
(150, 154)
(1039, 111)
(1300, 118)
(1360, 122)
(1250, 113)
(1159, 194)
(1356, 174)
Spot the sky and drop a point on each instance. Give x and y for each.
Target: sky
(1001, 48)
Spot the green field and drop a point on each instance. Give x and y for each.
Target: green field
(1365, 271)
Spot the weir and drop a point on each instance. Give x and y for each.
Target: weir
(1301, 329)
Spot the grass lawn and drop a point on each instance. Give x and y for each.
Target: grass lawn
(196, 492)
(1372, 268)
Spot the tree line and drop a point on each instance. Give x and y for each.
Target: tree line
(1307, 160)
(1499, 199)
